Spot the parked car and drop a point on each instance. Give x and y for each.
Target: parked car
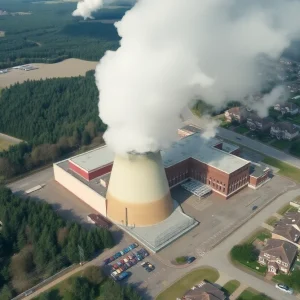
(254, 207)
(123, 275)
(190, 259)
(147, 266)
(106, 261)
(284, 288)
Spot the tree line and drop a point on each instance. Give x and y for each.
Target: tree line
(35, 242)
(50, 34)
(54, 117)
(91, 285)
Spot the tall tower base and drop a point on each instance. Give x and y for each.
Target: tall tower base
(138, 193)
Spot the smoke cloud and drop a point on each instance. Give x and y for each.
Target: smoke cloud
(173, 52)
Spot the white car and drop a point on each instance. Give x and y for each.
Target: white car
(284, 288)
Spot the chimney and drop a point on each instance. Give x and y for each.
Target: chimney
(138, 191)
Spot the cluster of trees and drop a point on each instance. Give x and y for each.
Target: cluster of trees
(35, 242)
(92, 285)
(50, 34)
(54, 117)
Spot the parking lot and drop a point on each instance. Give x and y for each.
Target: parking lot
(217, 216)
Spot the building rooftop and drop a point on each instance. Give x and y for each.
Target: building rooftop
(201, 149)
(281, 249)
(257, 170)
(194, 146)
(94, 159)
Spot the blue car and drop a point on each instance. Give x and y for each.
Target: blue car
(190, 259)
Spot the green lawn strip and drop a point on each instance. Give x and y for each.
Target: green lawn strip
(287, 208)
(241, 129)
(271, 221)
(250, 293)
(252, 266)
(260, 234)
(281, 144)
(285, 169)
(230, 287)
(180, 287)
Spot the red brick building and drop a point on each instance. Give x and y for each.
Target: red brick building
(210, 161)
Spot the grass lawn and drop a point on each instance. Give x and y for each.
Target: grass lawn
(230, 287)
(249, 293)
(260, 234)
(281, 144)
(241, 129)
(285, 169)
(180, 287)
(271, 221)
(254, 266)
(287, 208)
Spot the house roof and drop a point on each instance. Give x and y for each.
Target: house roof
(290, 218)
(254, 117)
(237, 110)
(204, 291)
(281, 249)
(289, 127)
(287, 231)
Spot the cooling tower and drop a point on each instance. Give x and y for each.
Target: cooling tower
(138, 192)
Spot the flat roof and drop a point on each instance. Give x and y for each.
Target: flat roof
(193, 146)
(199, 148)
(94, 159)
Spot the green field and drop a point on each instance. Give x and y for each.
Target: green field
(250, 293)
(285, 169)
(230, 287)
(180, 287)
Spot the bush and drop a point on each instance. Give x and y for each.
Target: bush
(181, 260)
(244, 253)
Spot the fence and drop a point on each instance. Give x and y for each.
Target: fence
(44, 282)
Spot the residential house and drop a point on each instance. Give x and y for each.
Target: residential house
(254, 122)
(204, 291)
(284, 131)
(287, 108)
(278, 255)
(290, 218)
(236, 114)
(287, 233)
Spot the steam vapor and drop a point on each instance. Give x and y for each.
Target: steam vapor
(86, 7)
(173, 52)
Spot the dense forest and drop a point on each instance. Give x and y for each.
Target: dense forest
(50, 34)
(54, 117)
(91, 284)
(35, 242)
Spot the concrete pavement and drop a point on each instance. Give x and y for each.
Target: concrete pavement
(218, 257)
(238, 292)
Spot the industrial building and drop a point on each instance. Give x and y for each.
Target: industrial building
(134, 190)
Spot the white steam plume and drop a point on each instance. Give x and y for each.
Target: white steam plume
(277, 96)
(86, 7)
(174, 51)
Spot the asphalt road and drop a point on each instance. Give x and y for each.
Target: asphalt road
(31, 181)
(247, 142)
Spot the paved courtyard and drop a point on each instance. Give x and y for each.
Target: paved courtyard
(217, 216)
